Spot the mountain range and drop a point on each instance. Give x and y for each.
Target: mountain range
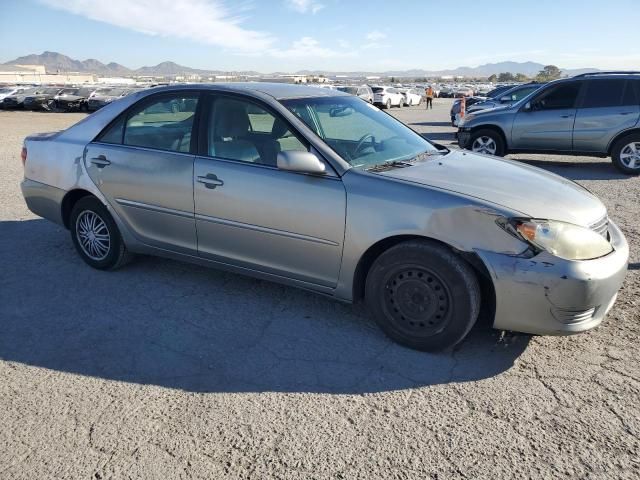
(57, 62)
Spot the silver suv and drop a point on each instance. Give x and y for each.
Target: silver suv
(594, 114)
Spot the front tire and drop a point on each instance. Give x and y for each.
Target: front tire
(96, 236)
(388, 104)
(625, 154)
(488, 142)
(422, 295)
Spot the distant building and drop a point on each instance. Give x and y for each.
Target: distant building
(37, 74)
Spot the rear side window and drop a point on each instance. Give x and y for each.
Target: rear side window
(604, 93)
(163, 124)
(631, 93)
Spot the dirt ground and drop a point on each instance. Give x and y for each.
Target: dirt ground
(167, 370)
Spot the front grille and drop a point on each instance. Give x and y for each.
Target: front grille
(601, 227)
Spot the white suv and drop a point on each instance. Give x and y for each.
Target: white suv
(387, 97)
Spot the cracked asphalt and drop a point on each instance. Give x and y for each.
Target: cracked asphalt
(168, 370)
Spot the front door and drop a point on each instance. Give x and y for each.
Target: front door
(253, 215)
(547, 123)
(143, 166)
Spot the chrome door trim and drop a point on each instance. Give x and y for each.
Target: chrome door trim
(257, 228)
(153, 208)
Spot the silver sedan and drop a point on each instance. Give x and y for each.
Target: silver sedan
(320, 190)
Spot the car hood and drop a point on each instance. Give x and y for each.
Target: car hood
(531, 191)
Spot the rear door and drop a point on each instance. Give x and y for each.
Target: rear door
(142, 163)
(608, 107)
(548, 123)
(251, 214)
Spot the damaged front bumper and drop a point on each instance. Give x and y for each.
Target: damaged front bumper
(546, 295)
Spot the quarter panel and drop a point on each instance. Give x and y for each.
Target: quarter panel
(595, 127)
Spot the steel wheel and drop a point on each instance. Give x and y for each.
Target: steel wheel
(93, 235)
(630, 155)
(484, 144)
(417, 301)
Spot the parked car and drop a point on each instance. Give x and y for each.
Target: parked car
(595, 114)
(16, 100)
(316, 189)
(507, 97)
(74, 99)
(42, 98)
(411, 96)
(362, 91)
(387, 97)
(455, 107)
(105, 96)
(8, 91)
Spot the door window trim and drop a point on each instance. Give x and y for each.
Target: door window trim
(207, 100)
(146, 101)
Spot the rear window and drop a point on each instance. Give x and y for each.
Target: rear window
(377, 89)
(351, 90)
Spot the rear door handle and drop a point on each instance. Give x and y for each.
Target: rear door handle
(100, 161)
(569, 115)
(627, 113)
(210, 181)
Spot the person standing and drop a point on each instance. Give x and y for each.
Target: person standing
(429, 94)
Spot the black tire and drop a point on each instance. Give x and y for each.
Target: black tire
(388, 105)
(493, 135)
(117, 254)
(422, 295)
(617, 151)
(401, 103)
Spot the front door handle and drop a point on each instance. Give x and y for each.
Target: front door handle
(627, 113)
(210, 181)
(100, 161)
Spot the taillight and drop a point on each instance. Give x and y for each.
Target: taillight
(23, 155)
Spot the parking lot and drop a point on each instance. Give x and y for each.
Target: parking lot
(168, 370)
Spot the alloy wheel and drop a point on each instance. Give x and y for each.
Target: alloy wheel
(484, 144)
(93, 235)
(630, 155)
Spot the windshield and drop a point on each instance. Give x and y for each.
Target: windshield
(116, 92)
(360, 133)
(69, 91)
(351, 90)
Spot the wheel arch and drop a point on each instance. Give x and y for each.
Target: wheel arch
(69, 200)
(487, 290)
(614, 140)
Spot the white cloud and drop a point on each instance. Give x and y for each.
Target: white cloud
(305, 6)
(204, 21)
(307, 47)
(376, 36)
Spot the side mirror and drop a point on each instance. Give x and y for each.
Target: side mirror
(297, 161)
(341, 112)
(527, 106)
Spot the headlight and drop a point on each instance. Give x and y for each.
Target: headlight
(561, 239)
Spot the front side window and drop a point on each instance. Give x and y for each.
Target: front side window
(558, 97)
(164, 123)
(603, 93)
(523, 92)
(359, 132)
(244, 131)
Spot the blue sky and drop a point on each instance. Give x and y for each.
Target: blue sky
(288, 35)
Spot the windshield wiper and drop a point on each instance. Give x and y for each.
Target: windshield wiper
(389, 165)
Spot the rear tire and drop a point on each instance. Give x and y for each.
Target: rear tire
(96, 236)
(388, 104)
(422, 295)
(625, 154)
(488, 142)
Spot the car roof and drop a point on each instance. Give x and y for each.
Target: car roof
(279, 91)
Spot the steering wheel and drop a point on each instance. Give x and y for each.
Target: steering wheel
(361, 143)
